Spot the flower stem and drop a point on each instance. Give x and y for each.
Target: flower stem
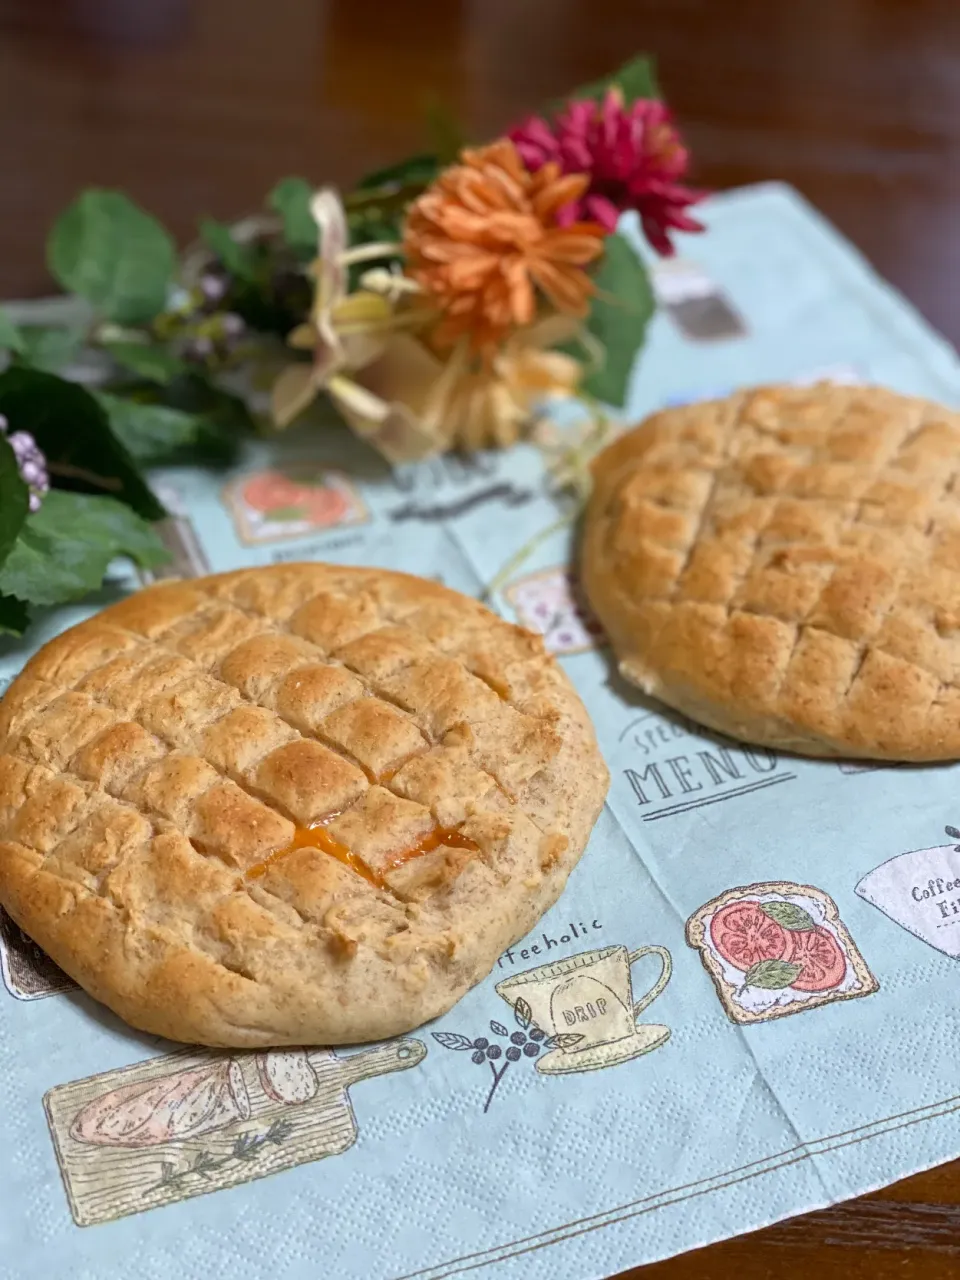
(368, 252)
(497, 1077)
(525, 552)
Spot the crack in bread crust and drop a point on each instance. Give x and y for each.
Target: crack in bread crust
(153, 755)
(784, 566)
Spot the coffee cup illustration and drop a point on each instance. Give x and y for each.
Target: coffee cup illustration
(586, 1002)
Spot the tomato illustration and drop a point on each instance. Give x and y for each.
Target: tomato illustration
(817, 951)
(326, 505)
(744, 934)
(269, 490)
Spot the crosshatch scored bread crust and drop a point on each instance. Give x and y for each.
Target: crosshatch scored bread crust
(784, 566)
(293, 805)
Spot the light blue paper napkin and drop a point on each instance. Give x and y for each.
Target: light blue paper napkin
(742, 1008)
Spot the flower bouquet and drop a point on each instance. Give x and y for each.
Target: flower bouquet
(439, 305)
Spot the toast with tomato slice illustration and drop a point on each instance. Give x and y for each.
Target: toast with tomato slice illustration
(298, 499)
(777, 948)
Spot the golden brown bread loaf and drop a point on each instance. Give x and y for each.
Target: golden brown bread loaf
(292, 805)
(784, 566)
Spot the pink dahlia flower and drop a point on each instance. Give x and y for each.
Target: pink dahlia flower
(634, 159)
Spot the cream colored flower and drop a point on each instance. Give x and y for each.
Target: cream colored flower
(409, 403)
(371, 357)
(345, 331)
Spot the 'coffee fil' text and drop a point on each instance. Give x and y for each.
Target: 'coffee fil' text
(936, 889)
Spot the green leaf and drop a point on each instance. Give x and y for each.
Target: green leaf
(788, 915)
(147, 361)
(49, 347)
(72, 430)
(14, 616)
(14, 499)
(226, 416)
(287, 514)
(415, 171)
(239, 259)
(772, 975)
(65, 548)
(635, 79)
(378, 205)
(10, 336)
(618, 318)
(152, 433)
(291, 199)
(161, 424)
(109, 251)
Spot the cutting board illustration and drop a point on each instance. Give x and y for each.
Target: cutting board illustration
(187, 1123)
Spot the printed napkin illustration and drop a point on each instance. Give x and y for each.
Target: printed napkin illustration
(920, 890)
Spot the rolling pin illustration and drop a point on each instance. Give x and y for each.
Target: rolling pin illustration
(192, 1122)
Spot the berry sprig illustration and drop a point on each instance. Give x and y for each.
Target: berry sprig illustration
(527, 1042)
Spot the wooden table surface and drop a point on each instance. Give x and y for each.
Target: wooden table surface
(198, 106)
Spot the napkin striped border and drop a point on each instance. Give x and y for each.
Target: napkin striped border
(689, 1191)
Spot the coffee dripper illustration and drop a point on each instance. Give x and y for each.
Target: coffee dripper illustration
(586, 1002)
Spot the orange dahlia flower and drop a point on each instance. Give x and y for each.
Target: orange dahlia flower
(484, 238)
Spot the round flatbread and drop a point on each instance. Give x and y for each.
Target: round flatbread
(784, 566)
(295, 805)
